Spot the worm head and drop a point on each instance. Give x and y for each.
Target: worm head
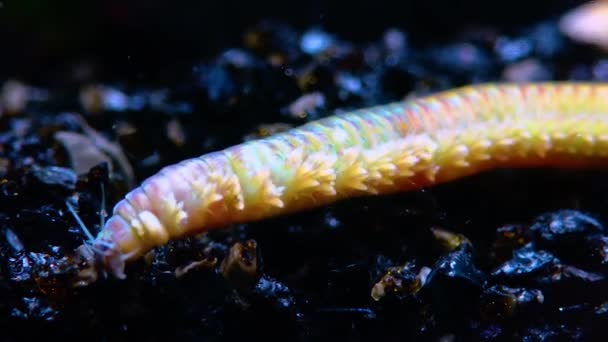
(107, 255)
(103, 253)
(114, 245)
(103, 250)
(100, 257)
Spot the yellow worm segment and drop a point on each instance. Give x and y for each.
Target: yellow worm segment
(384, 149)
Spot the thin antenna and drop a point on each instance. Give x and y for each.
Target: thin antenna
(82, 225)
(102, 212)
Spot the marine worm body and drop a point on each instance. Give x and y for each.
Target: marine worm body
(379, 150)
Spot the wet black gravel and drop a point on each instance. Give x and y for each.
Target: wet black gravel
(505, 255)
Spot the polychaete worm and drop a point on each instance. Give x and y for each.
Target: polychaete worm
(384, 149)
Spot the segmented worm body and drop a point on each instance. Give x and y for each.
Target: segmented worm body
(384, 149)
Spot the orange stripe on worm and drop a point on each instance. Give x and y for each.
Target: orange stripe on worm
(380, 150)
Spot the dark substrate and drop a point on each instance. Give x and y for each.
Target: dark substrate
(505, 255)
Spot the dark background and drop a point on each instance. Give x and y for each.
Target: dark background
(136, 38)
(317, 267)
